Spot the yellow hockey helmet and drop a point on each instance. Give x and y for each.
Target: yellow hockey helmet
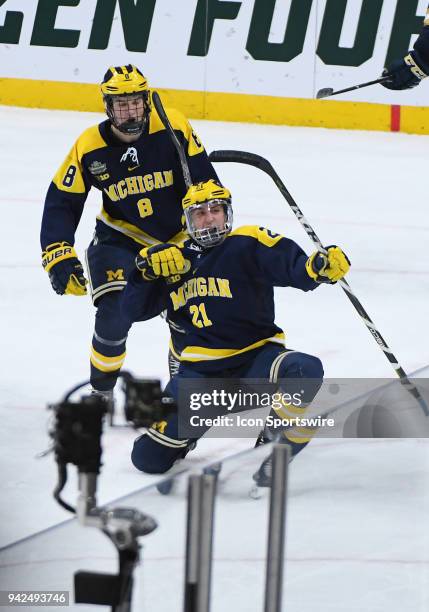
(205, 196)
(126, 96)
(123, 80)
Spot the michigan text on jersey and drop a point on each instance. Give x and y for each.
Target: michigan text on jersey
(202, 287)
(139, 184)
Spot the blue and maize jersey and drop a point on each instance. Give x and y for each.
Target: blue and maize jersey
(142, 182)
(223, 306)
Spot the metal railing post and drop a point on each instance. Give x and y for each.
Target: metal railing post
(276, 529)
(199, 542)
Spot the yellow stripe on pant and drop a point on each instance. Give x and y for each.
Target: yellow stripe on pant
(299, 434)
(106, 364)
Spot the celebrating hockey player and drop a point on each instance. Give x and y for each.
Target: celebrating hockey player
(414, 67)
(217, 289)
(129, 158)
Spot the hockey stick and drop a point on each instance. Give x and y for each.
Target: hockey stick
(166, 123)
(327, 92)
(263, 164)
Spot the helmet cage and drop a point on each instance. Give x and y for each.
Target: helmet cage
(128, 126)
(208, 237)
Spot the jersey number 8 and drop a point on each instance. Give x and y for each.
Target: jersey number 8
(69, 176)
(145, 207)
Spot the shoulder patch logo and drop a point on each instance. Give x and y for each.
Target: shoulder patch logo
(97, 168)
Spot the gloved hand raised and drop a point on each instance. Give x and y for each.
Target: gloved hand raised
(407, 72)
(161, 260)
(328, 268)
(60, 261)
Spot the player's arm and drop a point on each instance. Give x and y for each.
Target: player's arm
(284, 263)
(63, 208)
(144, 296)
(409, 71)
(200, 167)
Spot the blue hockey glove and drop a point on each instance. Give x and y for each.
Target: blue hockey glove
(407, 72)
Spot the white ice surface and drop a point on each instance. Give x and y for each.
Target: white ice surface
(365, 191)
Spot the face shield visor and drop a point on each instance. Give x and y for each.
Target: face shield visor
(210, 222)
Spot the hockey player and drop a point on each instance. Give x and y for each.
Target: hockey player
(414, 67)
(217, 289)
(131, 160)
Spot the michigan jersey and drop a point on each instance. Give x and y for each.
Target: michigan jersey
(141, 182)
(222, 307)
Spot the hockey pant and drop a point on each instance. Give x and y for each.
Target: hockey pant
(110, 259)
(156, 451)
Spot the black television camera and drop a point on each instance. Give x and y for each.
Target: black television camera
(76, 434)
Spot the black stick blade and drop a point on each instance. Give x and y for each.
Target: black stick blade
(324, 93)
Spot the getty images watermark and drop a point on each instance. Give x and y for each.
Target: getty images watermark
(339, 408)
(237, 412)
(245, 400)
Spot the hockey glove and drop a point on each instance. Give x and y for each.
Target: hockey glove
(406, 73)
(160, 260)
(64, 268)
(328, 268)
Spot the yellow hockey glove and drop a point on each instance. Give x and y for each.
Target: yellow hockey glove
(328, 268)
(160, 260)
(64, 268)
